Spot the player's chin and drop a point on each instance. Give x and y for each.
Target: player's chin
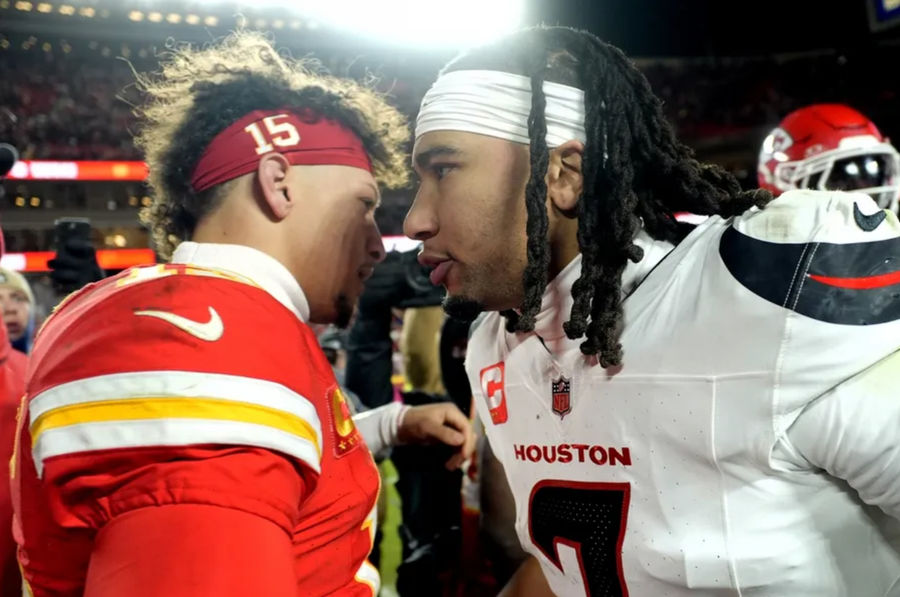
(463, 307)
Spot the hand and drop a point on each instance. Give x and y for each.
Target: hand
(75, 265)
(439, 423)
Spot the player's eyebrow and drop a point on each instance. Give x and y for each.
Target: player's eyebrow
(424, 158)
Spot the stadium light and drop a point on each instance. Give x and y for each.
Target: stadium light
(192, 19)
(66, 9)
(45, 7)
(419, 22)
(136, 15)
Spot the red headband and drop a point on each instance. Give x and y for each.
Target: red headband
(301, 136)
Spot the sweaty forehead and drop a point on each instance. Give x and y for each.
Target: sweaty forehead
(456, 144)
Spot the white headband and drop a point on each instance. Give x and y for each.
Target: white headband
(497, 104)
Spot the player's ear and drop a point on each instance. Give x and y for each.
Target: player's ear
(272, 178)
(564, 177)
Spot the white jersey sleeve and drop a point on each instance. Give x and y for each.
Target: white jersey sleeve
(852, 433)
(379, 426)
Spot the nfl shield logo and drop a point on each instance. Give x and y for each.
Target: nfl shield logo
(561, 403)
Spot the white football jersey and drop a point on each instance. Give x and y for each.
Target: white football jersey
(748, 445)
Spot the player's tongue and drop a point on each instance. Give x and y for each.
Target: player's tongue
(439, 273)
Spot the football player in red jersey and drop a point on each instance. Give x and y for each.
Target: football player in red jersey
(830, 147)
(12, 385)
(182, 432)
(713, 414)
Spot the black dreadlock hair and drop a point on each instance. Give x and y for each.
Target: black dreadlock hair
(636, 174)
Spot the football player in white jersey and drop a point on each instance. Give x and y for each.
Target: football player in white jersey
(709, 415)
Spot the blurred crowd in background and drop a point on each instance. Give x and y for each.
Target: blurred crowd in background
(70, 99)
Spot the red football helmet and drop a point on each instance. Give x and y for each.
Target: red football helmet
(830, 147)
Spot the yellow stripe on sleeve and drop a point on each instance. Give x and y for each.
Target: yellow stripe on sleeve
(160, 408)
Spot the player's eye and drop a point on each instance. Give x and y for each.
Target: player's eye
(442, 170)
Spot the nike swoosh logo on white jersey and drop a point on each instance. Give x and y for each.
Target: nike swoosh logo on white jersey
(210, 331)
(868, 222)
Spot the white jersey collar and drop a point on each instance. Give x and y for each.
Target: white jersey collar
(556, 305)
(262, 269)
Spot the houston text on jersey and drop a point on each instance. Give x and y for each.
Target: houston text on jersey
(566, 453)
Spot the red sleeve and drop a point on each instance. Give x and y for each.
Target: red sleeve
(204, 550)
(91, 489)
(12, 387)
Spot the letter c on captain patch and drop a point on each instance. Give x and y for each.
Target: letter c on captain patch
(493, 387)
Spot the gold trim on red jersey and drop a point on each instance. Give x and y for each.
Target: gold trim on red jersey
(166, 408)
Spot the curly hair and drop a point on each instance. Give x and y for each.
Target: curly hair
(199, 92)
(636, 174)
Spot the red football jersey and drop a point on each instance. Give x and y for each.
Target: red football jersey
(180, 385)
(12, 386)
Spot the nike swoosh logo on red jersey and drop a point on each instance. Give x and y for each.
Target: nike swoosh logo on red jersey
(210, 331)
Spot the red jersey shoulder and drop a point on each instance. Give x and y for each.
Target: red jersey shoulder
(175, 317)
(176, 356)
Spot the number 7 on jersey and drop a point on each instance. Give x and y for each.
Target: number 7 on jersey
(589, 518)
